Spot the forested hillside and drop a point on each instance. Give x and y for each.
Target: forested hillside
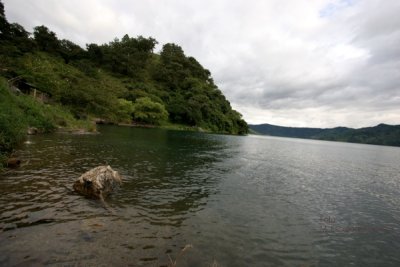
(274, 130)
(122, 80)
(381, 134)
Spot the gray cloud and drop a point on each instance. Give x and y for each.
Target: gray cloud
(316, 63)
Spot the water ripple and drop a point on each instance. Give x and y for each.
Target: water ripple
(241, 201)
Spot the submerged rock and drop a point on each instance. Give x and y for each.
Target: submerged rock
(13, 162)
(32, 131)
(98, 182)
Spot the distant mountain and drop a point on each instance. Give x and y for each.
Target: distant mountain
(382, 134)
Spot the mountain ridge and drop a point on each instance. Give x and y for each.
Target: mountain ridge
(381, 134)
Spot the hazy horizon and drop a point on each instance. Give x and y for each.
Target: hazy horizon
(288, 126)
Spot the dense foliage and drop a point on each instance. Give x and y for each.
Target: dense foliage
(146, 111)
(381, 134)
(120, 81)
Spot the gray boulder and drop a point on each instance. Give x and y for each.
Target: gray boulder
(98, 182)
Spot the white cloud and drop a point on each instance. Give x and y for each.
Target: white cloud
(302, 63)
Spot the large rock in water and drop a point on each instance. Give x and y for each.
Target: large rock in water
(98, 182)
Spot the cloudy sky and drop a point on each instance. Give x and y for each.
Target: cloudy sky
(316, 63)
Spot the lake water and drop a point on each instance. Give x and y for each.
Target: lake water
(239, 201)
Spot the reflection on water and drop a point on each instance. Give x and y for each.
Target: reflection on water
(166, 180)
(241, 201)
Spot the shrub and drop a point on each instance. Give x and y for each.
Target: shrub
(147, 111)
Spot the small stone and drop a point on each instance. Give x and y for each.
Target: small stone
(32, 131)
(13, 162)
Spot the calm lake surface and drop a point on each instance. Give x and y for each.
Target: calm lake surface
(239, 201)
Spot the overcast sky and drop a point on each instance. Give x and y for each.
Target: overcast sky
(316, 63)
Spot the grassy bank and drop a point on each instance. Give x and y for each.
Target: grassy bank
(19, 112)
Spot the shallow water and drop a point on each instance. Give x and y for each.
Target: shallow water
(239, 201)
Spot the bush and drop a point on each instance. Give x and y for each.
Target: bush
(125, 110)
(147, 111)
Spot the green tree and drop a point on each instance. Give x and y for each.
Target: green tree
(14, 39)
(70, 51)
(127, 56)
(171, 70)
(147, 111)
(198, 71)
(4, 25)
(94, 53)
(46, 40)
